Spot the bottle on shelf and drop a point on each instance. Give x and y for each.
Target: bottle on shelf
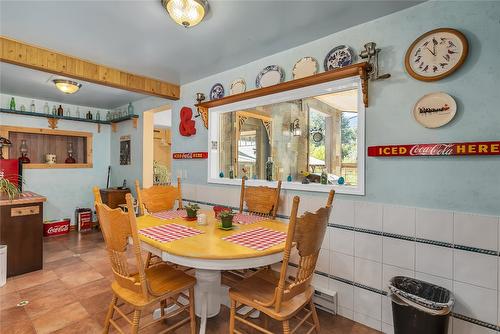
(67, 112)
(54, 110)
(24, 152)
(231, 172)
(108, 116)
(60, 111)
(89, 115)
(22, 107)
(269, 169)
(77, 114)
(98, 116)
(130, 109)
(12, 105)
(32, 106)
(46, 109)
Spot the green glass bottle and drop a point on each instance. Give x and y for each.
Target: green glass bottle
(324, 177)
(12, 104)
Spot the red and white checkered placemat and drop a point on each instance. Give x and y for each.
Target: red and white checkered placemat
(261, 238)
(170, 214)
(170, 232)
(244, 219)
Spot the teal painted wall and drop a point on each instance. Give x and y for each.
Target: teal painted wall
(465, 184)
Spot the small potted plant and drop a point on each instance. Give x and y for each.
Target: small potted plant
(192, 210)
(226, 218)
(7, 187)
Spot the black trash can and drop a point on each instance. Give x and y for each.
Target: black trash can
(419, 307)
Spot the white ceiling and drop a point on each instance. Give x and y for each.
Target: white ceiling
(21, 81)
(138, 36)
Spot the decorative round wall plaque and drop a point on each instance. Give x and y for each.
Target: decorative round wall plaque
(238, 86)
(435, 110)
(269, 76)
(305, 67)
(436, 54)
(338, 57)
(217, 91)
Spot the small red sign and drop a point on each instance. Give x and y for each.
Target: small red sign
(442, 149)
(190, 155)
(57, 227)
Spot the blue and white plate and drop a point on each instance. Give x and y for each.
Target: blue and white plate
(217, 91)
(338, 57)
(269, 76)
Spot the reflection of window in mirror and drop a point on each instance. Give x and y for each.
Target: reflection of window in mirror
(307, 139)
(297, 139)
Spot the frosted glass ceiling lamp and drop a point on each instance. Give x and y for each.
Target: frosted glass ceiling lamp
(67, 86)
(187, 13)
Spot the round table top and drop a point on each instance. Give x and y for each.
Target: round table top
(209, 245)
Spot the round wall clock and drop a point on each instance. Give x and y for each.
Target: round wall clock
(435, 110)
(436, 54)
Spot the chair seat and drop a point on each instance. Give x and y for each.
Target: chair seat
(261, 287)
(162, 279)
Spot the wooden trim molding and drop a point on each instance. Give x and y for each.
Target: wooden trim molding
(34, 57)
(359, 69)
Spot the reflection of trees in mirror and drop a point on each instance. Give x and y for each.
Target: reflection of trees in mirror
(348, 127)
(161, 174)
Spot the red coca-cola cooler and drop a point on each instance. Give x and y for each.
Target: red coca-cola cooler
(56, 227)
(83, 219)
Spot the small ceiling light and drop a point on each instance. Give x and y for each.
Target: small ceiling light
(187, 13)
(67, 86)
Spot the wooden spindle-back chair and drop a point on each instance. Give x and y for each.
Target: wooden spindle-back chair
(260, 200)
(138, 286)
(158, 197)
(276, 295)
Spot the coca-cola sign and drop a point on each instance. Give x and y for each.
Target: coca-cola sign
(190, 155)
(58, 229)
(439, 149)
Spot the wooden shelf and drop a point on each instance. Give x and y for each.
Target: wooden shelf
(55, 166)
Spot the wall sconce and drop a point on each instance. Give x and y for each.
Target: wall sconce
(371, 53)
(295, 128)
(200, 97)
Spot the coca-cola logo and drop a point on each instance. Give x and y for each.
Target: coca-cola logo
(437, 149)
(58, 229)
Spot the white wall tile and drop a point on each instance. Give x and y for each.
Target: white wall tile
(326, 240)
(342, 241)
(475, 302)
(399, 253)
(464, 327)
(387, 329)
(399, 220)
(387, 310)
(434, 225)
(368, 272)
(434, 260)
(368, 303)
(345, 293)
(389, 272)
(439, 281)
(368, 215)
(323, 263)
(342, 265)
(367, 321)
(342, 213)
(368, 246)
(476, 230)
(320, 282)
(345, 312)
(475, 268)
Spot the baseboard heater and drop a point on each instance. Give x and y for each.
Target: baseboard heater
(326, 300)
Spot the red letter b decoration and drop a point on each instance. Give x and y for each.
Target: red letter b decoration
(187, 125)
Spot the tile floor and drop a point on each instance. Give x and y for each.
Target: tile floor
(72, 292)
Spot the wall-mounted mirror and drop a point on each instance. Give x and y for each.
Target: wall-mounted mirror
(308, 138)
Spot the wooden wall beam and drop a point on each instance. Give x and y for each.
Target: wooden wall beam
(26, 55)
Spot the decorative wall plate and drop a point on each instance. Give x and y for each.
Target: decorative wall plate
(436, 54)
(339, 56)
(435, 110)
(269, 76)
(217, 91)
(305, 67)
(238, 86)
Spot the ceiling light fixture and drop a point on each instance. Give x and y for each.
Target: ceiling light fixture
(67, 86)
(187, 13)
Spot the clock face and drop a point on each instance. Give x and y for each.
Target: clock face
(436, 54)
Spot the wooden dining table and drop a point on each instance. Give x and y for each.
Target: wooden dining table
(209, 254)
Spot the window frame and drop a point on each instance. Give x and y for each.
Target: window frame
(354, 82)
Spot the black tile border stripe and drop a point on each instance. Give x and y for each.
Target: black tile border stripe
(389, 235)
(395, 236)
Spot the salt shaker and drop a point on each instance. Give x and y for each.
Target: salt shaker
(202, 219)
